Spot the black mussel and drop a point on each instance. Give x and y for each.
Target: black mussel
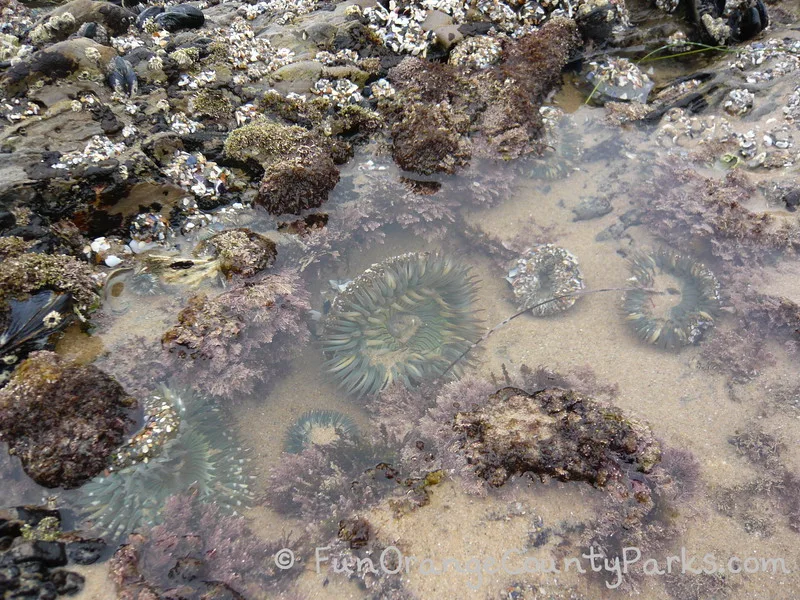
(33, 321)
(93, 31)
(183, 16)
(151, 12)
(723, 27)
(121, 76)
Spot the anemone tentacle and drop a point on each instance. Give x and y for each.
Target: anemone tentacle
(405, 319)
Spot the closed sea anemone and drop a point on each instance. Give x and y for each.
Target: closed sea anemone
(545, 273)
(319, 428)
(564, 147)
(184, 444)
(406, 319)
(673, 301)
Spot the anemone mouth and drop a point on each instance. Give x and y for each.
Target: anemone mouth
(406, 319)
(319, 428)
(183, 445)
(673, 301)
(545, 273)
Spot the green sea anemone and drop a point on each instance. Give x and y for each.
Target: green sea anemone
(183, 445)
(404, 320)
(564, 147)
(674, 299)
(319, 428)
(544, 273)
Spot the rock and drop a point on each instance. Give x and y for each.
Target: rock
(85, 552)
(50, 554)
(350, 72)
(182, 16)
(241, 252)
(292, 186)
(67, 583)
(557, 433)
(63, 420)
(436, 19)
(297, 77)
(60, 129)
(321, 35)
(65, 20)
(592, 208)
(428, 140)
(448, 36)
(58, 62)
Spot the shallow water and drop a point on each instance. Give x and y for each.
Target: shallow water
(688, 407)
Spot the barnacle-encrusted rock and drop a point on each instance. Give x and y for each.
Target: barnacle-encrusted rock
(553, 432)
(299, 168)
(63, 420)
(294, 185)
(211, 103)
(57, 62)
(240, 252)
(428, 140)
(23, 274)
(224, 345)
(66, 19)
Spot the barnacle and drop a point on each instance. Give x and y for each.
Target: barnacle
(182, 445)
(319, 428)
(673, 299)
(545, 273)
(406, 319)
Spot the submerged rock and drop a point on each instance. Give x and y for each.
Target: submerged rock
(298, 164)
(557, 433)
(240, 252)
(63, 420)
(32, 550)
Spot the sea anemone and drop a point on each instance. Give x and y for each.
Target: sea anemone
(183, 445)
(564, 147)
(319, 428)
(544, 273)
(407, 319)
(673, 301)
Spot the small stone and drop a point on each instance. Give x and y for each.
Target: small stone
(67, 582)
(187, 569)
(51, 554)
(85, 552)
(592, 208)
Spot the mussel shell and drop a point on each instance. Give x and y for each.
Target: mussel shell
(27, 327)
(183, 16)
(148, 13)
(121, 76)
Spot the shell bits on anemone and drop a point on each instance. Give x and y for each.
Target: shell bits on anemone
(407, 319)
(563, 150)
(673, 301)
(319, 428)
(545, 274)
(184, 444)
